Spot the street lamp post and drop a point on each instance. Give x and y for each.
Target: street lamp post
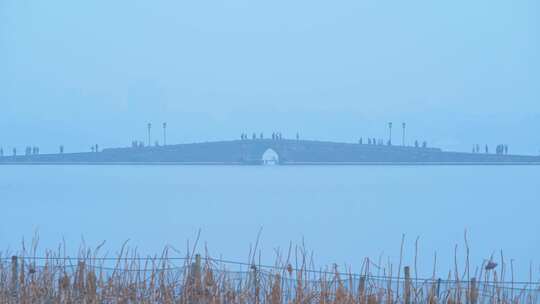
(164, 133)
(149, 138)
(403, 139)
(390, 135)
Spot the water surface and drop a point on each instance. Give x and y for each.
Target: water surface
(342, 213)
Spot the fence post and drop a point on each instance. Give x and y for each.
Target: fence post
(197, 274)
(439, 288)
(473, 292)
(362, 290)
(407, 291)
(256, 284)
(14, 275)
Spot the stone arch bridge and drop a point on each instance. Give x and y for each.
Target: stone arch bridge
(283, 152)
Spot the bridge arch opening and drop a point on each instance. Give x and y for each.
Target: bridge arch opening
(270, 157)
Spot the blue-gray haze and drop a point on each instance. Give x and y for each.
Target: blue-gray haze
(79, 73)
(458, 72)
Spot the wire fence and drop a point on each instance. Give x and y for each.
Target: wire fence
(99, 262)
(257, 281)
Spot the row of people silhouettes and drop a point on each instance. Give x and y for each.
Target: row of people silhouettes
(31, 151)
(417, 144)
(476, 149)
(501, 149)
(275, 136)
(137, 144)
(94, 148)
(370, 141)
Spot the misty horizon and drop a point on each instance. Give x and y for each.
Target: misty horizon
(336, 72)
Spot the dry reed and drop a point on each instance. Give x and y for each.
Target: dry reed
(129, 278)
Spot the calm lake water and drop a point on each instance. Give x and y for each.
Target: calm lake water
(342, 213)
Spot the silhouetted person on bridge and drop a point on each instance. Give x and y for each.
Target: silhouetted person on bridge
(262, 135)
(360, 141)
(487, 149)
(297, 136)
(61, 149)
(1, 152)
(14, 151)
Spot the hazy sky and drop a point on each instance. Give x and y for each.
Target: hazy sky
(85, 72)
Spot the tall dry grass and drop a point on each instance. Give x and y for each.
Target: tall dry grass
(129, 278)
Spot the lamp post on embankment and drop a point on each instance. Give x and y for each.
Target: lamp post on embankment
(403, 139)
(390, 135)
(149, 138)
(164, 133)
